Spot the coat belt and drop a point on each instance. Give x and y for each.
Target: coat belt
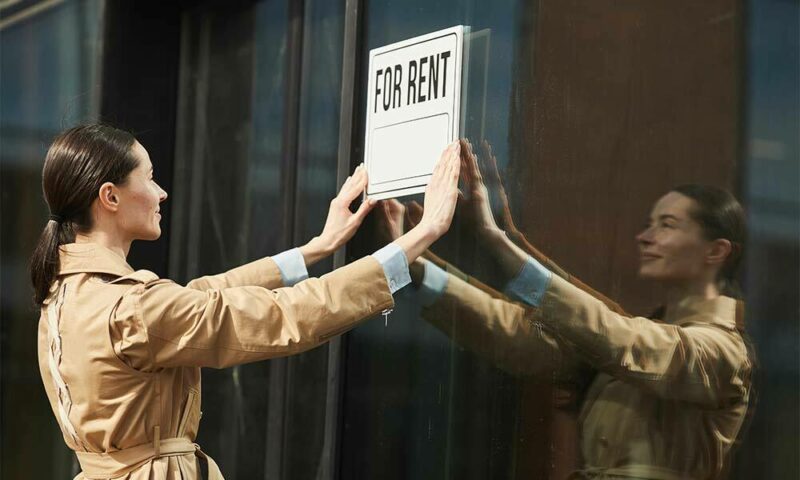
(649, 472)
(100, 466)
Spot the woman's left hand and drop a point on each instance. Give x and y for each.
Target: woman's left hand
(341, 223)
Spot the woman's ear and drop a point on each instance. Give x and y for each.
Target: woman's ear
(108, 197)
(719, 251)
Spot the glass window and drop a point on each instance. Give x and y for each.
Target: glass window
(590, 113)
(772, 191)
(256, 169)
(308, 447)
(230, 193)
(49, 70)
(582, 115)
(417, 405)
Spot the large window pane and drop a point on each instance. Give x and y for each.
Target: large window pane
(256, 168)
(417, 405)
(49, 70)
(593, 111)
(309, 447)
(772, 190)
(229, 199)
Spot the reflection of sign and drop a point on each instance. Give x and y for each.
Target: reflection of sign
(413, 105)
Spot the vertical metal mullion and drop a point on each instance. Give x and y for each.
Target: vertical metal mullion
(95, 80)
(278, 372)
(291, 128)
(198, 149)
(329, 462)
(190, 144)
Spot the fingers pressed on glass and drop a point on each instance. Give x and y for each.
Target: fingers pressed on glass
(364, 208)
(354, 185)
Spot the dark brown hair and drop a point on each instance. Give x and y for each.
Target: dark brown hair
(720, 216)
(79, 161)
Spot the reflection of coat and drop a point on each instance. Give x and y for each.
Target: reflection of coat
(669, 397)
(120, 351)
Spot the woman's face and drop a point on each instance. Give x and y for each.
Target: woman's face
(140, 199)
(672, 247)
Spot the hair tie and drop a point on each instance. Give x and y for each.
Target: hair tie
(56, 218)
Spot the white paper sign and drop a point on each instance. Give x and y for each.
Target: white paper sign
(414, 95)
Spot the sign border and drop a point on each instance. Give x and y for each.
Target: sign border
(401, 185)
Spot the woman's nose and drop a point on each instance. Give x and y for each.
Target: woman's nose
(644, 236)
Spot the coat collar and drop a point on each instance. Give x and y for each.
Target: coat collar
(720, 310)
(91, 258)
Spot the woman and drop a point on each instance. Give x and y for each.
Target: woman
(120, 350)
(669, 395)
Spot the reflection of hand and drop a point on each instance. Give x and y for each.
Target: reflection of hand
(494, 183)
(478, 211)
(413, 213)
(391, 215)
(341, 223)
(477, 206)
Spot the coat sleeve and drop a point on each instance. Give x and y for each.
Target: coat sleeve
(701, 362)
(517, 237)
(500, 331)
(221, 327)
(454, 271)
(260, 273)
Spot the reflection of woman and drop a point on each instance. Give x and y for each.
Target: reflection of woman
(669, 395)
(120, 350)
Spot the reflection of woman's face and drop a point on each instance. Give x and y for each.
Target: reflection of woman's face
(672, 247)
(140, 197)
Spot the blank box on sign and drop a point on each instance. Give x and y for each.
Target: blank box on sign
(408, 150)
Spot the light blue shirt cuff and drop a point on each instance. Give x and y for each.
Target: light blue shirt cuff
(395, 266)
(530, 283)
(292, 266)
(434, 283)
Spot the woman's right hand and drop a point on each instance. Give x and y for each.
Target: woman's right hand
(441, 196)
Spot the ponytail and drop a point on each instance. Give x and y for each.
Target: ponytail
(45, 262)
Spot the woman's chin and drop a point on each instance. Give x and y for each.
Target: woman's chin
(646, 273)
(151, 235)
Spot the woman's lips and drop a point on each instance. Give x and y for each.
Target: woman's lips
(646, 257)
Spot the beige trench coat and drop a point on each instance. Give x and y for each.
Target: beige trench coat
(120, 350)
(668, 398)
